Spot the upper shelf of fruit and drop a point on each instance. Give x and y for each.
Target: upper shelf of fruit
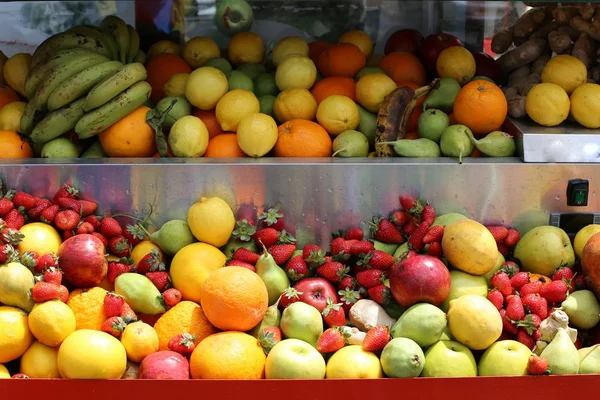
(93, 92)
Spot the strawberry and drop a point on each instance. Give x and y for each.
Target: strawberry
(428, 214)
(376, 338)
(519, 280)
(66, 220)
(236, 263)
(370, 278)
(30, 259)
(555, 291)
(172, 297)
(82, 207)
(348, 298)
(244, 230)
(530, 288)
(84, 228)
(35, 213)
(333, 271)
(340, 246)
(525, 338)
(53, 275)
(410, 227)
(501, 281)
(354, 234)
(269, 337)
(114, 326)
(45, 291)
(511, 268)
(113, 304)
(531, 322)
(415, 242)
(536, 304)
(512, 238)
(267, 237)
(399, 218)
(8, 254)
(14, 219)
(434, 235)
(514, 308)
(507, 325)
(94, 221)
(412, 205)
(296, 268)
(49, 214)
(498, 232)
(66, 191)
(503, 249)
(578, 283)
(25, 200)
(119, 246)
(67, 234)
(563, 273)
(333, 314)
(45, 261)
(11, 236)
(309, 250)
(150, 262)
(386, 232)
(282, 252)
(20, 376)
(116, 268)
(101, 237)
(537, 365)
(289, 296)
(5, 206)
(133, 233)
(183, 344)
(109, 227)
(272, 218)
(347, 282)
(161, 280)
(331, 341)
(246, 256)
(128, 312)
(378, 259)
(435, 250)
(362, 247)
(380, 294)
(496, 298)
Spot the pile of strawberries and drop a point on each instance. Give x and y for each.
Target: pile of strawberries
(506, 238)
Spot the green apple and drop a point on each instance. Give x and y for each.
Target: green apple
(294, 359)
(463, 283)
(302, 321)
(385, 247)
(447, 358)
(505, 358)
(543, 249)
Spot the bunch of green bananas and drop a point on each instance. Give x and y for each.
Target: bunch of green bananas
(87, 79)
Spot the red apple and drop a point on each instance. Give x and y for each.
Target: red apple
(433, 45)
(164, 365)
(487, 66)
(420, 279)
(408, 40)
(82, 259)
(314, 291)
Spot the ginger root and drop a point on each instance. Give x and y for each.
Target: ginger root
(366, 314)
(529, 22)
(538, 65)
(523, 55)
(584, 49)
(563, 15)
(592, 28)
(502, 40)
(560, 43)
(545, 30)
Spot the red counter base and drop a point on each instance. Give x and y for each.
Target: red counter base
(544, 387)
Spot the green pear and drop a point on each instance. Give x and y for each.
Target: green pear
(402, 358)
(590, 360)
(432, 124)
(140, 293)
(16, 282)
(561, 354)
(275, 278)
(420, 148)
(443, 97)
(583, 309)
(349, 144)
(403, 248)
(61, 147)
(543, 249)
(455, 142)
(367, 125)
(95, 151)
(302, 321)
(422, 322)
(495, 144)
(173, 236)
(463, 283)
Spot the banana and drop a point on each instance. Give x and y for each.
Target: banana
(67, 40)
(58, 122)
(99, 34)
(112, 86)
(389, 118)
(80, 84)
(31, 116)
(134, 44)
(119, 30)
(102, 118)
(58, 76)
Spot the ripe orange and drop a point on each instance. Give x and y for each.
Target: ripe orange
(234, 299)
(402, 67)
(482, 106)
(334, 85)
(186, 316)
(13, 146)
(130, 137)
(210, 120)
(224, 146)
(302, 138)
(160, 69)
(342, 59)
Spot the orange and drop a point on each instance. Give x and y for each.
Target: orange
(160, 69)
(342, 59)
(186, 316)
(228, 355)
(7, 95)
(130, 137)
(360, 39)
(210, 120)
(88, 307)
(315, 50)
(334, 85)
(224, 146)
(482, 106)
(234, 299)
(13, 146)
(402, 67)
(295, 104)
(302, 138)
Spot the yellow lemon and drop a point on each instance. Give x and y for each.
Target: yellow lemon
(371, 89)
(16, 70)
(88, 354)
(163, 47)
(211, 221)
(566, 71)
(295, 104)
(39, 237)
(583, 236)
(246, 48)
(295, 72)
(585, 103)
(139, 340)
(338, 114)
(188, 137)
(40, 361)
(474, 321)
(175, 86)
(205, 87)
(234, 106)
(4, 374)
(360, 39)
(470, 247)
(547, 104)
(352, 362)
(142, 249)
(289, 45)
(457, 63)
(192, 265)
(15, 336)
(10, 116)
(200, 49)
(51, 322)
(257, 134)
